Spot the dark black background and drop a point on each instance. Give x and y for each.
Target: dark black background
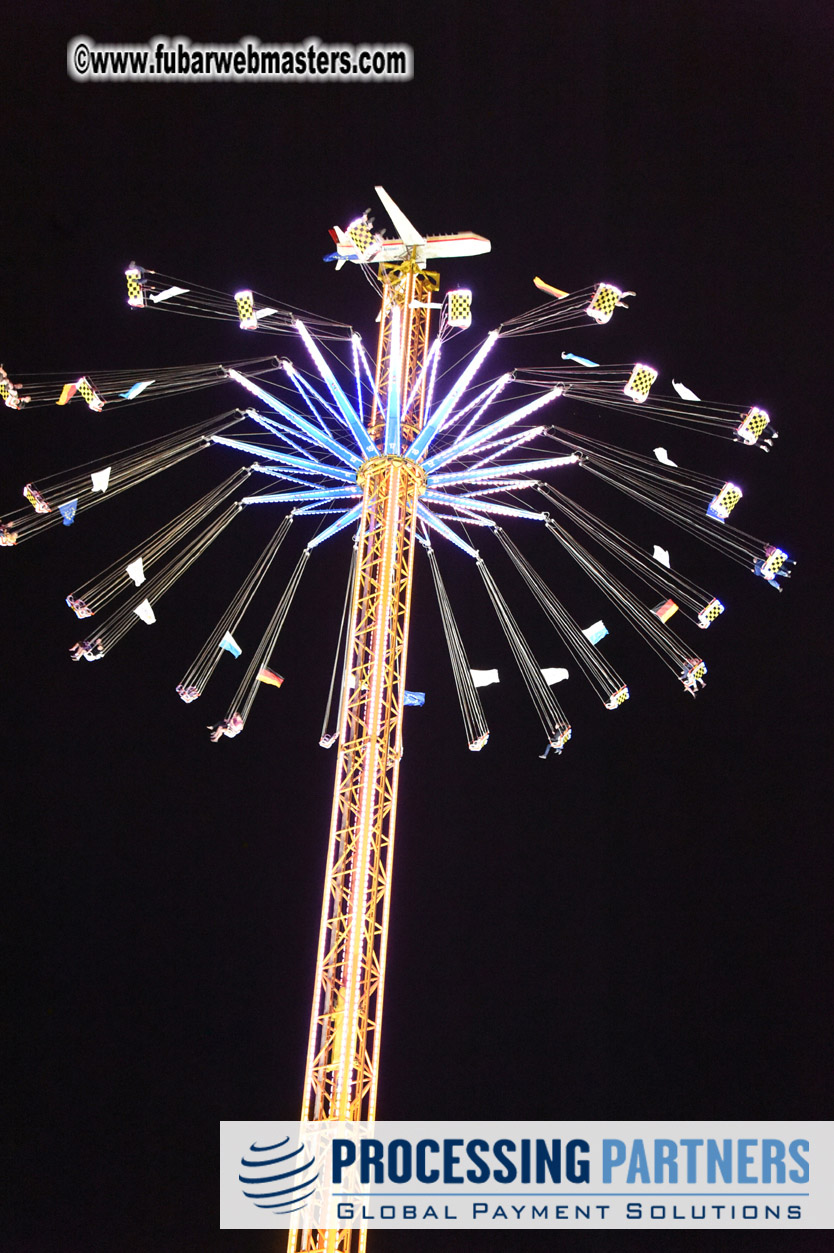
(638, 929)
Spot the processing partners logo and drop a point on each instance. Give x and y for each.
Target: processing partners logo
(467, 1176)
(278, 1177)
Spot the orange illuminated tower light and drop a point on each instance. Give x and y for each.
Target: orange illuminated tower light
(343, 1054)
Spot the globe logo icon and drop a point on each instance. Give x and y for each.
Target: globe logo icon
(277, 1177)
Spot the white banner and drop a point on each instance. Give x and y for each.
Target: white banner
(527, 1175)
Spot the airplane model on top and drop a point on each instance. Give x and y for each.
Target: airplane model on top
(361, 244)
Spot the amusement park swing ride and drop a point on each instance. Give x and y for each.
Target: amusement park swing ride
(402, 463)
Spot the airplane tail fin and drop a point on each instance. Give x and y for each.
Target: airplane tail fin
(339, 237)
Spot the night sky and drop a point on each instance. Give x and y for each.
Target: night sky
(639, 928)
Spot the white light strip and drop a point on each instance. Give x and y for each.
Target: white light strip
(319, 493)
(355, 342)
(485, 506)
(446, 405)
(434, 522)
(432, 378)
(508, 444)
(428, 363)
(498, 471)
(271, 454)
(351, 516)
(357, 430)
(392, 416)
(305, 391)
(288, 434)
(313, 433)
(491, 393)
(371, 380)
(463, 447)
(471, 519)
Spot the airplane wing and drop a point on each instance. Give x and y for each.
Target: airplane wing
(407, 233)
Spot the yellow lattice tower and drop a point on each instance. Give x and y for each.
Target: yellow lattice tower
(343, 1053)
(409, 289)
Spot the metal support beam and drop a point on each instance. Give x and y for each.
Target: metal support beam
(343, 1053)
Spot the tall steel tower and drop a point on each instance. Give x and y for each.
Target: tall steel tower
(345, 1027)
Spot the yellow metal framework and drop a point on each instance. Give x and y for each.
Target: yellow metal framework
(345, 1027)
(408, 289)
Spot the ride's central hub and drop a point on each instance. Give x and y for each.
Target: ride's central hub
(374, 468)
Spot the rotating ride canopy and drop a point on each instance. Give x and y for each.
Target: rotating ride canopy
(400, 460)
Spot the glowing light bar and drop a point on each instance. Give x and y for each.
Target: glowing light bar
(429, 363)
(499, 471)
(640, 383)
(492, 393)
(432, 376)
(364, 359)
(509, 443)
(245, 302)
(486, 506)
(305, 390)
(446, 405)
(392, 416)
(307, 511)
(135, 290)
(355, 343)
(472, 519)
(346, 519)
(271, 454)
(434, 522)
(319, 493)
(287, 476)
(288, 434)
(511, 485)
(480, 437)
(313, 433)
(357, 430)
